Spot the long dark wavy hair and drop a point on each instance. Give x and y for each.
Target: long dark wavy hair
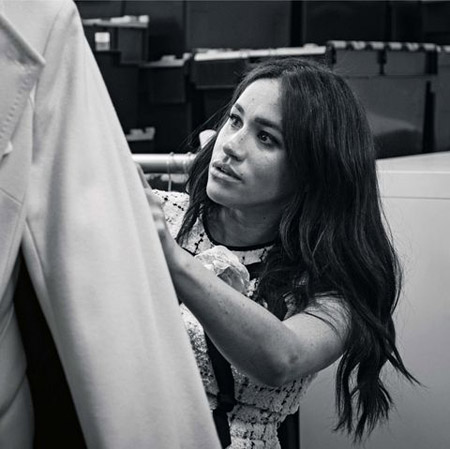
(332, 237)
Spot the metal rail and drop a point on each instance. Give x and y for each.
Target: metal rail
(164, 163)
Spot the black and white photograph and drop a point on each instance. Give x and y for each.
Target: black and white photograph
(224, 224)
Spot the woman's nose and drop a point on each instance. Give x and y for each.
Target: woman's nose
(234, 146)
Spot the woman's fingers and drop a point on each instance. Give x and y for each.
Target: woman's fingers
(156, 209)
(142, 177)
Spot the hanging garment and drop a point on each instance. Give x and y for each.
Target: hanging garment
(71, 199)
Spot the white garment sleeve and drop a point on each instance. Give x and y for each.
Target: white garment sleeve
(98, 268)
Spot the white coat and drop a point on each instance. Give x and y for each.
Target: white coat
(70, 197)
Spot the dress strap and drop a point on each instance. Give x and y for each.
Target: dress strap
(225, 398)
(254, 269)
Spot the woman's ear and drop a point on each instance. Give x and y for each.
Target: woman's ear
(205, 136)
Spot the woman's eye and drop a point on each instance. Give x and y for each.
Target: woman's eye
(234, 120)
(266, 138)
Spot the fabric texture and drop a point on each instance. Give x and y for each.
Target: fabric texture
(260, 409)
(70, 197)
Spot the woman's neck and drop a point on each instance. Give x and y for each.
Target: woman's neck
(237, 228)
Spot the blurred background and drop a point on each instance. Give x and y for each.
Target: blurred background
(171, 65)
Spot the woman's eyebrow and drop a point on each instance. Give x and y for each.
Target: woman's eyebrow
(239, 108)
(269, 124)
(261, 120)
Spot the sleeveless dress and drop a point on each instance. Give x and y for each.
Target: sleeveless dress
(260, 409)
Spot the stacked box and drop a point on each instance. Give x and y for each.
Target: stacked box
(165, 102)
(396, 84)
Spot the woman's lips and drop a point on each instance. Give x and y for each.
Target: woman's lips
(224, 171)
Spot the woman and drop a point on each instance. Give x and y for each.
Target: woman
(289, 186)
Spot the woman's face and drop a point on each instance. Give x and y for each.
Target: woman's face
(249, 168)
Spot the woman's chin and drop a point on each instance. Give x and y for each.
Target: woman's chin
(219, 195)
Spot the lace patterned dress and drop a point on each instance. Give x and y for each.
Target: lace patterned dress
(259, 409)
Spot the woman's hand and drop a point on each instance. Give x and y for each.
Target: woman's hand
(170, 246)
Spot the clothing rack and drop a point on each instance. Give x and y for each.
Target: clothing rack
(169, 163)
